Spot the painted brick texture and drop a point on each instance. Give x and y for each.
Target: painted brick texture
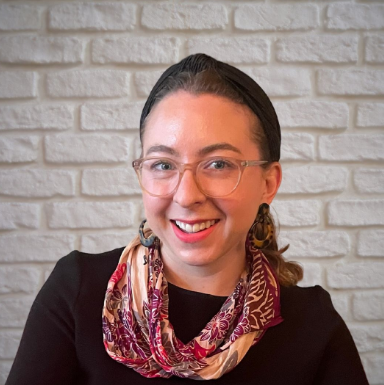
(74, 77)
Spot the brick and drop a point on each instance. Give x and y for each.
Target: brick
(370, 115)
(368, 338)
(356, 276)
(356, 212)
(18, 84)
(350, 147)
(111, 116)
(97, 243)
(369, 180)
(10, 340)
(370, 243)
(41, 50)
(35, 248)
(144, 81)
(77, 215)
(86, 148)
(313, 180)
(47, 117)
(373, 366)
(136, 50)
(110, 182)
(354, 16)
(312, 275)
(315, 244)
(137, 148)
(20, 17)
(92, 17)
(15, 149)
(297, 213)
(341, 304)
(317, 49)
(5, 368)
(19, 215)
(37, 183)
(297, 146)
(350, 82)
(281, 17)
(312, 114)
(233, 50)
(48, 271)
(88, 84)
(374, 49)
(14, 311)
(184, 16)
(19, 279)
(368, 306)
(282, 81)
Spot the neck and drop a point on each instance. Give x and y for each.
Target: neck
(219, 279)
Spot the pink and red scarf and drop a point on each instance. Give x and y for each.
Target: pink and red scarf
(138, 334)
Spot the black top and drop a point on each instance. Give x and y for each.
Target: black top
(62, 342)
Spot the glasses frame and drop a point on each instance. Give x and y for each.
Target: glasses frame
(182, 167)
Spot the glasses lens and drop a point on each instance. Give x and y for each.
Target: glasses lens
(159, 176)
(218, 177)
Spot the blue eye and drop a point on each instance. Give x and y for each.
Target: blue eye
(162, 166)
(219, 164)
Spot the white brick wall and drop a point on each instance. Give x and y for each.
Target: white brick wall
(73, 80)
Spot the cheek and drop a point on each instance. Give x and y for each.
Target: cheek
(244, 207)
(154, 210)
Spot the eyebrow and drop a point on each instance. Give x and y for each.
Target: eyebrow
(162, 148)
(204, 151)
(218, 146)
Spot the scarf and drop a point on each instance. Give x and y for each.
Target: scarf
(138, 334)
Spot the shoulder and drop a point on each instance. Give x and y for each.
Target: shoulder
(76, 272)
(310, 308)
(78, 262)
(298, 294)
(313, 304)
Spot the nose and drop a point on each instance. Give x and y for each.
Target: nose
(188, 193)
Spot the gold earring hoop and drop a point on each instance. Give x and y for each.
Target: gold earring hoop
(261, 232)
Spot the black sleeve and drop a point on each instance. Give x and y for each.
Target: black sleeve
(47, 353)
(340, 364)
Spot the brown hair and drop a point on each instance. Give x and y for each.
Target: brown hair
(208, 80)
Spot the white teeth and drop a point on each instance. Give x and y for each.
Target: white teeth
(188, 228)
(196, 227)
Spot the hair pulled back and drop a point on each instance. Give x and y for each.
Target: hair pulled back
(201, 74)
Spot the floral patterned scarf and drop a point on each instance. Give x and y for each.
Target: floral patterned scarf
(138, 334)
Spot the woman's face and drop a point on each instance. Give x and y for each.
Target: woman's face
(189, 128)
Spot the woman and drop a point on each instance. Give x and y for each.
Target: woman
(204, 293)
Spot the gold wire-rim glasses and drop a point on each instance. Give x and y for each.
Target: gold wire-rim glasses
(182, 167)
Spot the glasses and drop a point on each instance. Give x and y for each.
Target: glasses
(215, 177)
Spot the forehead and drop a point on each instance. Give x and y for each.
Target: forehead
(189, 122)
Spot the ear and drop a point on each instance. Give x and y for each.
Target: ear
(272, 177)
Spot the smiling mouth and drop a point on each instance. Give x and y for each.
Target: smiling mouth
(196, 227)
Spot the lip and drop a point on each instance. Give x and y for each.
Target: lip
(192, 222)
(192, 237)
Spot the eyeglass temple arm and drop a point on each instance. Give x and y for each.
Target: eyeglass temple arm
(248, 163)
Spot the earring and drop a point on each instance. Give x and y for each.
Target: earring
(261, 232)
(147, 242)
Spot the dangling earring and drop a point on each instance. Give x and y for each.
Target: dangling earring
(147, 242)
(261, 232)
